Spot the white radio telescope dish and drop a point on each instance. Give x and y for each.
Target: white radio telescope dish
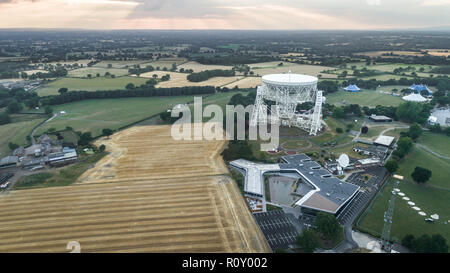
(344, 160)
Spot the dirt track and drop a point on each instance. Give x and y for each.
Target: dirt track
(151, 194)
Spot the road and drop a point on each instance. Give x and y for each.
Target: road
(33, 141)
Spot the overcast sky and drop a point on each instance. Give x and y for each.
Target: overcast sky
(225, 14)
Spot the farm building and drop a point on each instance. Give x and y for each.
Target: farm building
(352, 88)
(384, 141)
(415, 98)
(67, 156)
(9, 161)
(373, 150)
(376, 118)
(368, 162)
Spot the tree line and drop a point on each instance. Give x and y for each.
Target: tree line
(207, 74)
(148, 91)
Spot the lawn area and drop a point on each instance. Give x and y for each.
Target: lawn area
(438, 143)
(368, 98)
(95, 115)
(93, 84)
(421, 158)
(62, 177)
(374, 131)
(347, 149)
(16, 133)
(430, 199)
(331, 135)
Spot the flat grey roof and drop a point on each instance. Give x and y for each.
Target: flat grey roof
(329, 193)
(333, 192)
(9, 160)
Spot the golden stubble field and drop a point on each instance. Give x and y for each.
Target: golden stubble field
(180, 79)
(150, 194)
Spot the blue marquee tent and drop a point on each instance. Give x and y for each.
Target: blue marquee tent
(352, 88)
(418, 88)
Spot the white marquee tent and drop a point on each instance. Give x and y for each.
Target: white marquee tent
(414, 97)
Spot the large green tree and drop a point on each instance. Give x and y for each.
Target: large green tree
(421, 175)
(308, 240)
(391, 166)
(327, 224)
(415, 130)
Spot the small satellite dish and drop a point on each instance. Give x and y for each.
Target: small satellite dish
(343, 160)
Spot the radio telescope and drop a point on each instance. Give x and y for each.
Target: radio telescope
(287, 91)
(344, 160)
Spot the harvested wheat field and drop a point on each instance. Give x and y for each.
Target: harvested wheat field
(180, 79)
(150, 194)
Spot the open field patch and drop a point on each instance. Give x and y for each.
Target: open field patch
(431, 198)
(150, 194)
(16, 133)
(368, 98)
(198, 67)
(180, 79)
(262, 69)
(95, 115)
(93, 84)
(93, 71)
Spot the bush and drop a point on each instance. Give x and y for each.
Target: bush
(339, 130)
(4, 118)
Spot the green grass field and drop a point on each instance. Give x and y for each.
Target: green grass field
(95, 115)
(368, 98)
(331, 135)
(438, 143)
(93, 84)
(16, 133)
(429, 198)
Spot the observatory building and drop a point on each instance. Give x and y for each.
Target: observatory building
(320, 190)
(287, 91)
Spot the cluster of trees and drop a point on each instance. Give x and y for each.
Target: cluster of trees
(229, 59)
(413, 112)
(328, 86)
(326, 225)
(426, 243)
(137, 92)
(207, 74)
(238, 149)
(441, 70)
(438, 129)
(138, 70)
(344, 111)
(404, 146)
(442, 97)
(57, 72)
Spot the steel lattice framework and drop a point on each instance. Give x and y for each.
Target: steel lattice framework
(287, 91)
